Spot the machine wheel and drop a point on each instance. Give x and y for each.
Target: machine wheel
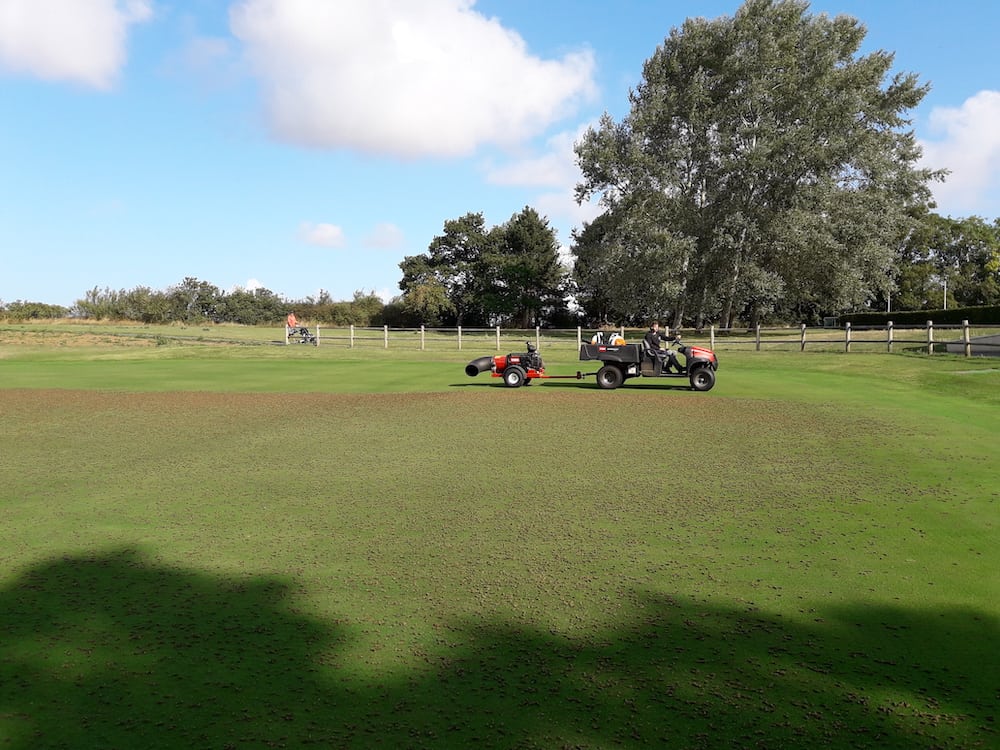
(703, 379)
(513, 377)
(609, 377)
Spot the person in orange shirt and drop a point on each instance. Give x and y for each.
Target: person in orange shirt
(294, 327)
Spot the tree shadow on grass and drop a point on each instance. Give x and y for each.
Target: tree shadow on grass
(112, 650)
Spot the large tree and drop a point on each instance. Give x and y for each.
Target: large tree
(527, 280)
(472, 274)
(622, 269)
(449, 276)
(961, 256)
(764, 163)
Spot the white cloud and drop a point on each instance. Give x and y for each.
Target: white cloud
(557, 170)
(562, 208)
(83, 41)
(556, 167)
(967, 144)
(324, 235)
(397, 77)
(385, 236)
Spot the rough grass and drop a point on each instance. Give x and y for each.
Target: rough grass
(804, 556)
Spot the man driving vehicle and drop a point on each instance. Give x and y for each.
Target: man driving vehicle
(667, 357)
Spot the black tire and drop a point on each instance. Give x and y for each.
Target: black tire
(527, 381)
(609, 377)
(702, 379)
(513, 377)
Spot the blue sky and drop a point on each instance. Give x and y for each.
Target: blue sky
(307, 145)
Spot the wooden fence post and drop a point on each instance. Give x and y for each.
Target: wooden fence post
(888, 337)
(966, 341)
(758, 337)
(498, 338)
(711, 336)
(930, 336)
(847, 337)
(538, 337)
(286, 335)
(579, 337)
(422, 342)
(802, 337)
(317, 334)
(352, 335)
(385, 336)
(460, 338)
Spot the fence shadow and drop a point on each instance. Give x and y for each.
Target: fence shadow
(114, 650)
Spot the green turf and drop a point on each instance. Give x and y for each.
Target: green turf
(268, 547)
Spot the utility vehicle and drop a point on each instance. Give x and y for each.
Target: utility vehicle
(620, 362)
(626, 361)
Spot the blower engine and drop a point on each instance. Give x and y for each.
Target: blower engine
(515, 369)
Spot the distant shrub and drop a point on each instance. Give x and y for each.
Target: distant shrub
(975, 315)
(22, 310)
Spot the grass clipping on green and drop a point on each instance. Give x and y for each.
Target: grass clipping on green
(544, 567)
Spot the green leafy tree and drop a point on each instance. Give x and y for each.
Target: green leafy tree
(24, 310)
(426, 303)
(251, 307)
(366, 308)
(960, 255)
(96, 304)
(763, 163)
(194, 301)
(143, 304)
(623, 270)
(474, 274)
(454, 262)
(527, 280)
(967, 258)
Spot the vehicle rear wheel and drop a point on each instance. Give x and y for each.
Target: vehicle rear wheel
(703, 379)
(609, 377)
(513, 377)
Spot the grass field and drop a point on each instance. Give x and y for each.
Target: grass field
(214, 545)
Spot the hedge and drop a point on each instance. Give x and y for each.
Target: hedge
(975, 316)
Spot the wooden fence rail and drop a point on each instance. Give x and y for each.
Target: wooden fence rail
(928, 338)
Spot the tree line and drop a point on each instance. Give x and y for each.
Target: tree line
(193, 301)
(766, 172)
(513, 276)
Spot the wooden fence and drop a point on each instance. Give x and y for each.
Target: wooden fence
(964, 339)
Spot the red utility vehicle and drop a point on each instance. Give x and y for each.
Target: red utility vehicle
(640, 360)
(620, 362)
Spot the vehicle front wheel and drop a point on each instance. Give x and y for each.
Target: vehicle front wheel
(703, 379)
(513, 377)
(609, 377)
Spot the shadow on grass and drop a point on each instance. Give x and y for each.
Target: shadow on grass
(112, 650)
(587, 384)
